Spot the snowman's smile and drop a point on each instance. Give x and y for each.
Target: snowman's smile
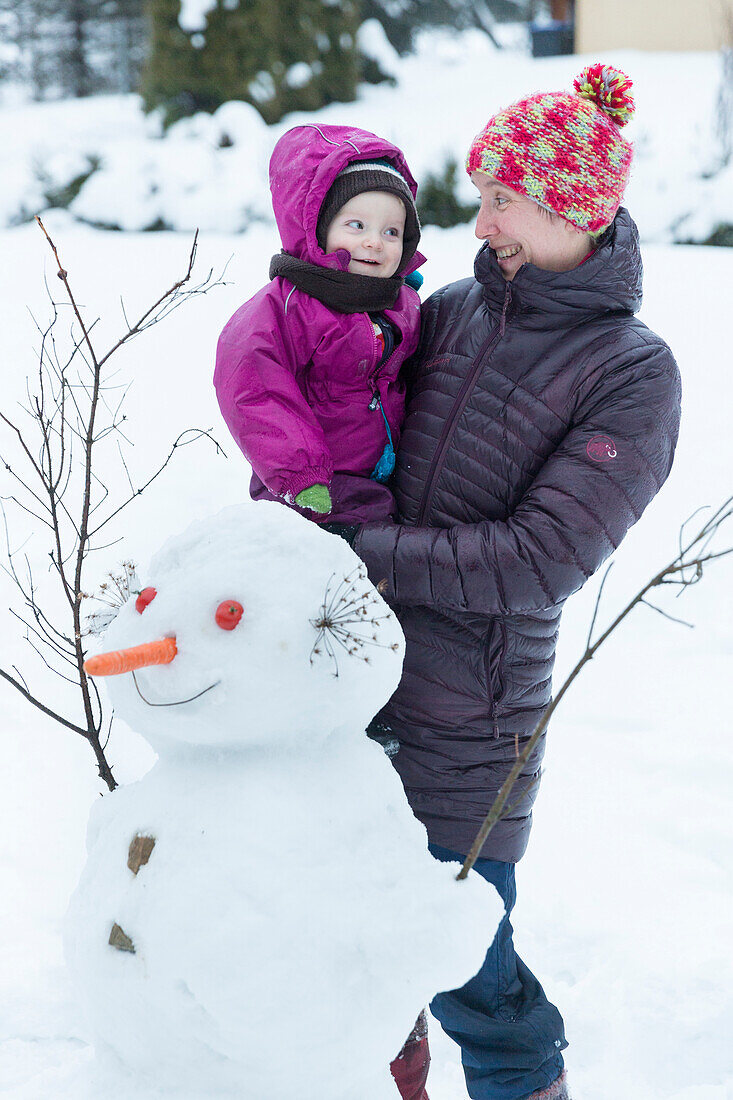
(174, 702)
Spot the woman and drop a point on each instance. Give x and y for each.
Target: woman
(542, 420)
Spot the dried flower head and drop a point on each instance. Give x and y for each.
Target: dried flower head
(348, 619)
(113, 593)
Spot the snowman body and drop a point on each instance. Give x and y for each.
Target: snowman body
(287, 923)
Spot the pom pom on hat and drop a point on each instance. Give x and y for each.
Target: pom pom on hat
(609, 89)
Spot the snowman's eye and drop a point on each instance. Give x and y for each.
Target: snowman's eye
(228, 614)
(146, 596)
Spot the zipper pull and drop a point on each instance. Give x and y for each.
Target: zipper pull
(374, 402)
(496, 729)
(507, 303)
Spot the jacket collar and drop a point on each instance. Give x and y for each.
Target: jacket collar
(609, 280)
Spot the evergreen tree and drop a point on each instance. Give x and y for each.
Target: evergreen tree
(437, 202)
(279, 55)
(172, 68)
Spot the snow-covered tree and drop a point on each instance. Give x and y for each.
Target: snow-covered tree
(279, 55)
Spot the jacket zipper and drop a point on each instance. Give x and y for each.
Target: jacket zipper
(376, 402)
(389, 346)
(461, 401)
(495, 690)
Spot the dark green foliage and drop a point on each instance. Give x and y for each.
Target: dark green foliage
(722, 236)
(371, 72)
(437, 202)
(170, 76)
(279, 55)
(158, 226)
(62, 197)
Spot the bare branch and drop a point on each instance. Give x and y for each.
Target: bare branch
(47, 663)
(195, 434)
(37, 703)
(20, 676)
(61, 487)
(29, 456)
(597, 606)
(63, 276)
(28, 511)
(689, 558)
(666, 615)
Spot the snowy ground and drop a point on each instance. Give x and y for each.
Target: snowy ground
(625, 894)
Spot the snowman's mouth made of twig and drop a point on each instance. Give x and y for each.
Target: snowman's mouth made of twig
(175, 702)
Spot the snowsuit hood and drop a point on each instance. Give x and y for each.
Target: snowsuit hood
(304, 164)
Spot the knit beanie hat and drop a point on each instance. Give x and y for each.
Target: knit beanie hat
(370, 175)
(564, 150)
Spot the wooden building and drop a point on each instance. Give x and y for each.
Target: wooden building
(651, 24)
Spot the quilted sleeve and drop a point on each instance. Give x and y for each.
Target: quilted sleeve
(610, 464)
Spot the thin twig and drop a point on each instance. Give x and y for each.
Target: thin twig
(688, 559)
(597, 606)
(63, 488)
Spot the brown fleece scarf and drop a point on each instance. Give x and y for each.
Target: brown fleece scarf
(339, 290)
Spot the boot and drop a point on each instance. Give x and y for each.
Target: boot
(410, 1067)
(558, 1090)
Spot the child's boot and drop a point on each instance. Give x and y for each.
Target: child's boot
(410, 1067)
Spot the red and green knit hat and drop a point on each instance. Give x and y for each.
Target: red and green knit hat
(564, 150)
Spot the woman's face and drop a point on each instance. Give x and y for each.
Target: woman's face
(519, 232)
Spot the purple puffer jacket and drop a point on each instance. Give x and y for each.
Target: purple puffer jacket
(295, 379)
(542, 419)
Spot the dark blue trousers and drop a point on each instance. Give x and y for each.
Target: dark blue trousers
(509, 1033)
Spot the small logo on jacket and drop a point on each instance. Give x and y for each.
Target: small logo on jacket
(601, 448)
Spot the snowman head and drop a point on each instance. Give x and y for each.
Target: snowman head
(253, 628)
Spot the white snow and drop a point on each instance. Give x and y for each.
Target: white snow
(290, 891)
(298, 75)
(447, 90)
(624, 907)
(373, 42)
(192, 16)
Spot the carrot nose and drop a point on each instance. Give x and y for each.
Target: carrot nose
(160, 652)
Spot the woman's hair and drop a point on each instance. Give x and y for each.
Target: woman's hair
(593, 235)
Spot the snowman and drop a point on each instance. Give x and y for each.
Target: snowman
(259, 915)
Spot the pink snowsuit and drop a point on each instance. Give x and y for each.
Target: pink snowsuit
(296, 380)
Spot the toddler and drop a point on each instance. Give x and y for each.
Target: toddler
(308, 370)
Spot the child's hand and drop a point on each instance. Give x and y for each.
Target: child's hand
(315, 497)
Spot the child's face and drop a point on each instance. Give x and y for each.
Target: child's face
(371, 227)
